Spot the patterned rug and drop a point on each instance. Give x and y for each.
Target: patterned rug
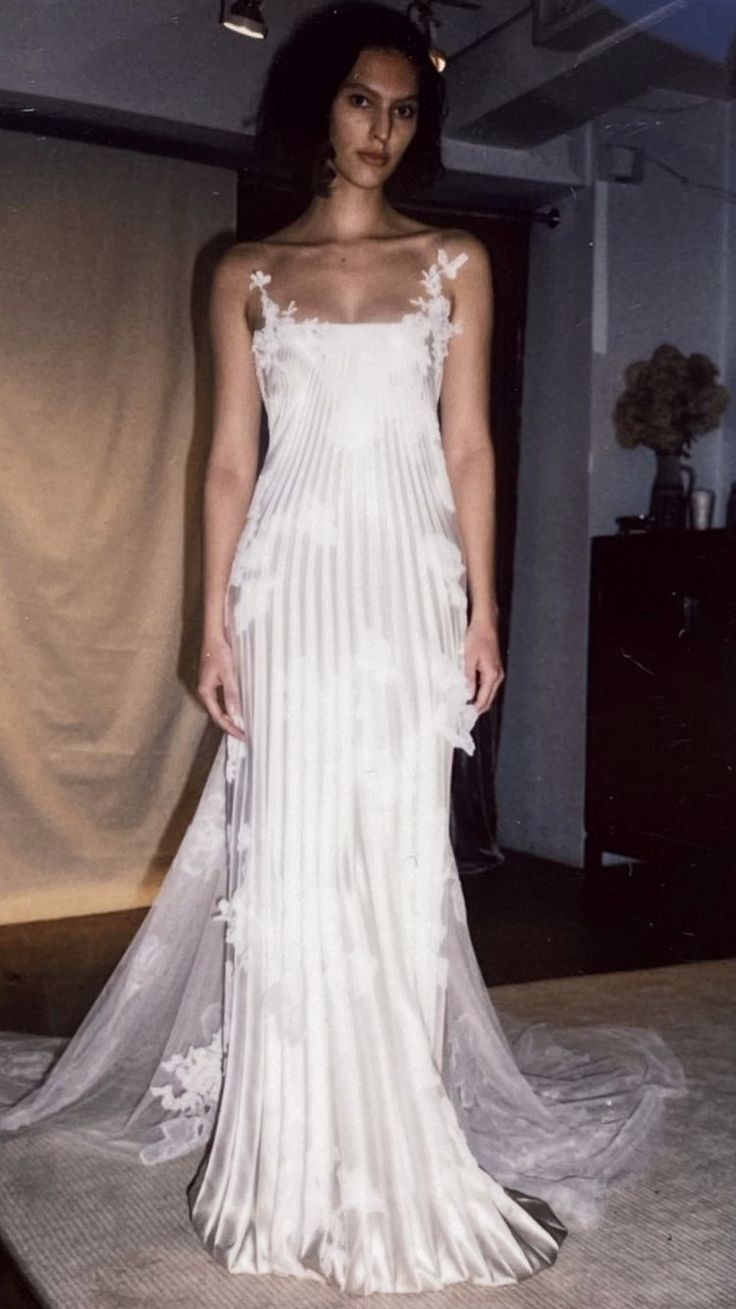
(119, 1237)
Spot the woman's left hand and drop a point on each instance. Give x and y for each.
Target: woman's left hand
(483, 663)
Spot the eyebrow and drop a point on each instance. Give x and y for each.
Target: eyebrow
(363, 86)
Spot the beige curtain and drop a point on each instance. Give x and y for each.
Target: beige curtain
(105, 262)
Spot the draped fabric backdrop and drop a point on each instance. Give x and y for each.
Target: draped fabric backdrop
(105, 263)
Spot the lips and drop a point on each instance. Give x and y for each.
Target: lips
(373, 159)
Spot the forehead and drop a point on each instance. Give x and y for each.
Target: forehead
(388, 72)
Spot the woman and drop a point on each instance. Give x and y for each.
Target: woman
(358, 1112)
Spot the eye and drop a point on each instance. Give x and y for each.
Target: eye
(356, 95)
(406, 111)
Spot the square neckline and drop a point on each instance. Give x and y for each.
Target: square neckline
(430, 277)
(335, 322)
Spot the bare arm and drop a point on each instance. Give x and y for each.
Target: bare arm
(230, 477)
(469, 454)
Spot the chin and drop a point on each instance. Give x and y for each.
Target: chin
(369, 177)
(363, 183)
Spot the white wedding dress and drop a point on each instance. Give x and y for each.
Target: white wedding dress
(302, 1009)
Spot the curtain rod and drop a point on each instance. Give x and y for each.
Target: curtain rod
(550, 217)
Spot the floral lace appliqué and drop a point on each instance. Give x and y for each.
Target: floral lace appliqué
(266, 339)
(239, 923)
(455, 717)
(431, 311)
(190, 1097)
(436, 305)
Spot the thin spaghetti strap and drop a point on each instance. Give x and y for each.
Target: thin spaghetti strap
(270, 308)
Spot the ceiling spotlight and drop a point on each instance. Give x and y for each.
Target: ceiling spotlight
(439, 59)
(245, 18)
(421, 12)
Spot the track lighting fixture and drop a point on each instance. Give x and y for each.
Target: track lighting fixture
(244, 17)
(420, 11)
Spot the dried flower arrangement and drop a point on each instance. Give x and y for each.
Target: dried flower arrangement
(669, 400)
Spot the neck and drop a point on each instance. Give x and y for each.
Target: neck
(349, 214)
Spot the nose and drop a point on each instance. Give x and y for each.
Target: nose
(381, 127)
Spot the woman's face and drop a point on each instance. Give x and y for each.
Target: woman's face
(374, 117)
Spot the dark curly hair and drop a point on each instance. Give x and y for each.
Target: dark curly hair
(307, 70)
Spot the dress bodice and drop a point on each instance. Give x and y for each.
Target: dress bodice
(360, 367)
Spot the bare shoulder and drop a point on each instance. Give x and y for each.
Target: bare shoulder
(240, 260)
(472, 290)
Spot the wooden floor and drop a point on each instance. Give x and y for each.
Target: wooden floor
(529, 919)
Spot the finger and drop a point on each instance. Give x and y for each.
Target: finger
(481, 689)
(209, 698)
(470, 680)
(233, 730)
(488, 683)
(233, 705)
(228, 725)
(496, 679)
(233, 723)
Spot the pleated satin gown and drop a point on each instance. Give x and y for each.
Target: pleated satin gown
(336, 1148)
(302, 1009)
